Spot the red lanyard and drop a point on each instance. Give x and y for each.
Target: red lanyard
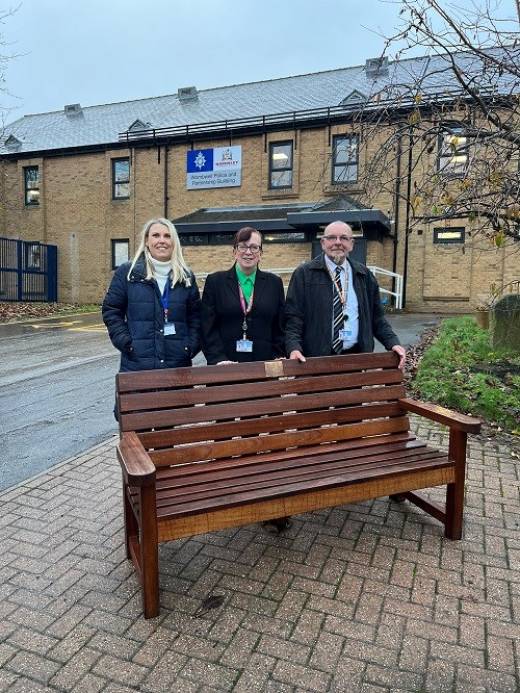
(341, 293)
(246, 307)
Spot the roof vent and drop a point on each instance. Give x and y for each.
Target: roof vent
(139, 125)
(377, 67)
(187, 93)
(73, 109)
(12, 143)
(355, 97)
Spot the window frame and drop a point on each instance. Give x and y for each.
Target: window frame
(272, 145)
(113, 243)
(335, 165)
(33, 255)
(226, 238)
(27, 189)
(449, 241)
(446, 169)
(113, 163)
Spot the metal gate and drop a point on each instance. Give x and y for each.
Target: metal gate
(28, 271)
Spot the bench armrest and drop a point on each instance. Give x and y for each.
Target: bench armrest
(453, 419)
(138, 468)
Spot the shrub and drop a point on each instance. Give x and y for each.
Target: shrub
(460, 370)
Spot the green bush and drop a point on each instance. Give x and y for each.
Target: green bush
(460, 370)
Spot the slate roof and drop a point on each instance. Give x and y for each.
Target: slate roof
(99, 125)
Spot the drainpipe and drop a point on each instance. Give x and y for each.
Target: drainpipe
(408, 206)
(165, 215)
(397, 205)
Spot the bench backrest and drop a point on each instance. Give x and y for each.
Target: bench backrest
(196, 414)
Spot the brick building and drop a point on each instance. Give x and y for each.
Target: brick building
(286, 155)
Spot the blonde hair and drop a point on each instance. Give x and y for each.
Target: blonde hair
(181, 273)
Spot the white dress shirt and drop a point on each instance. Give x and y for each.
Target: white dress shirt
(350, 308)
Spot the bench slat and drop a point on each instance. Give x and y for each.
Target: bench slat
(246, 391)
(206, 486)
(185, 377)
(386, 442)
(358, 475)
(219, 412)
(169, 437)
(277, 441)
(256, 511)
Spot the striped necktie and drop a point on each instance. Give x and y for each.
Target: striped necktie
(337, 314)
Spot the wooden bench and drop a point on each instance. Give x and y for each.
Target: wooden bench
(221, 446)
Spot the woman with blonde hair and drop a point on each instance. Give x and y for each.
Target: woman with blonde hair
(152, 307)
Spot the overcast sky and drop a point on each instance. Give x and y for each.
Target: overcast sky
(101, 51)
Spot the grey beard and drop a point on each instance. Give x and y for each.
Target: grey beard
(338, 258)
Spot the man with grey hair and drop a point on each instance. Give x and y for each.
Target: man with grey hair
(333, 304)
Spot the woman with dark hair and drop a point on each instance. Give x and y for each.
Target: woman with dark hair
(242, 308)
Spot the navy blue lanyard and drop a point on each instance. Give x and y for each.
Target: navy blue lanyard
(165, 299)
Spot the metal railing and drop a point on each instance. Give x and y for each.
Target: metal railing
(325, 113)
(286, 272)
(28, 271)
(398, 293)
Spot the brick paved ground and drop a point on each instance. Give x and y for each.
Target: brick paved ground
(368, 597)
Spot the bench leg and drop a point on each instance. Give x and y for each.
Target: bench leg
(455, 491)
(149, 551)
(131, 526)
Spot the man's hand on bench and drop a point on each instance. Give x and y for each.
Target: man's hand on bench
(297, 356)
(401, 352)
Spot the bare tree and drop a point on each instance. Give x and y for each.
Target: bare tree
(448, 125)
(5, 57)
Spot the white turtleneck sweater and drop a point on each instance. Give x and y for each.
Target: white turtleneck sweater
(161, 271)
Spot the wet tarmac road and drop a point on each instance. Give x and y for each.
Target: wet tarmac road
(57, 384)
(56, 392)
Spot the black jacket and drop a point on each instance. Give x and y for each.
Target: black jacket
(308, 310)
(222, 318)
(134, 316)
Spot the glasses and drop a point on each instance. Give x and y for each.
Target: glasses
(334, 239)
(254, 249)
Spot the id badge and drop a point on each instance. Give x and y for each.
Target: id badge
(244, 346)
(169, 328)
(346, 333)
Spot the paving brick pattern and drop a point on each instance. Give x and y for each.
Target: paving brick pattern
(368, 597)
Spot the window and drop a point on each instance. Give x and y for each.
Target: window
(31, 178)
(207, 238)
(194, 238)
(120, 251)
(120, 179)
(453, 152)
(445, 236)
(280, 164)
(345, 159)
(285, 237)
(33, 256)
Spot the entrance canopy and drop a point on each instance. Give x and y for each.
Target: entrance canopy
(296, 217)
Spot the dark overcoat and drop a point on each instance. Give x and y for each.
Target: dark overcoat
(222, 318)
(134, 315)
(308, 310)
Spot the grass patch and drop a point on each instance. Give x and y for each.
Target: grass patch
(462, 371)
(79, 308)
